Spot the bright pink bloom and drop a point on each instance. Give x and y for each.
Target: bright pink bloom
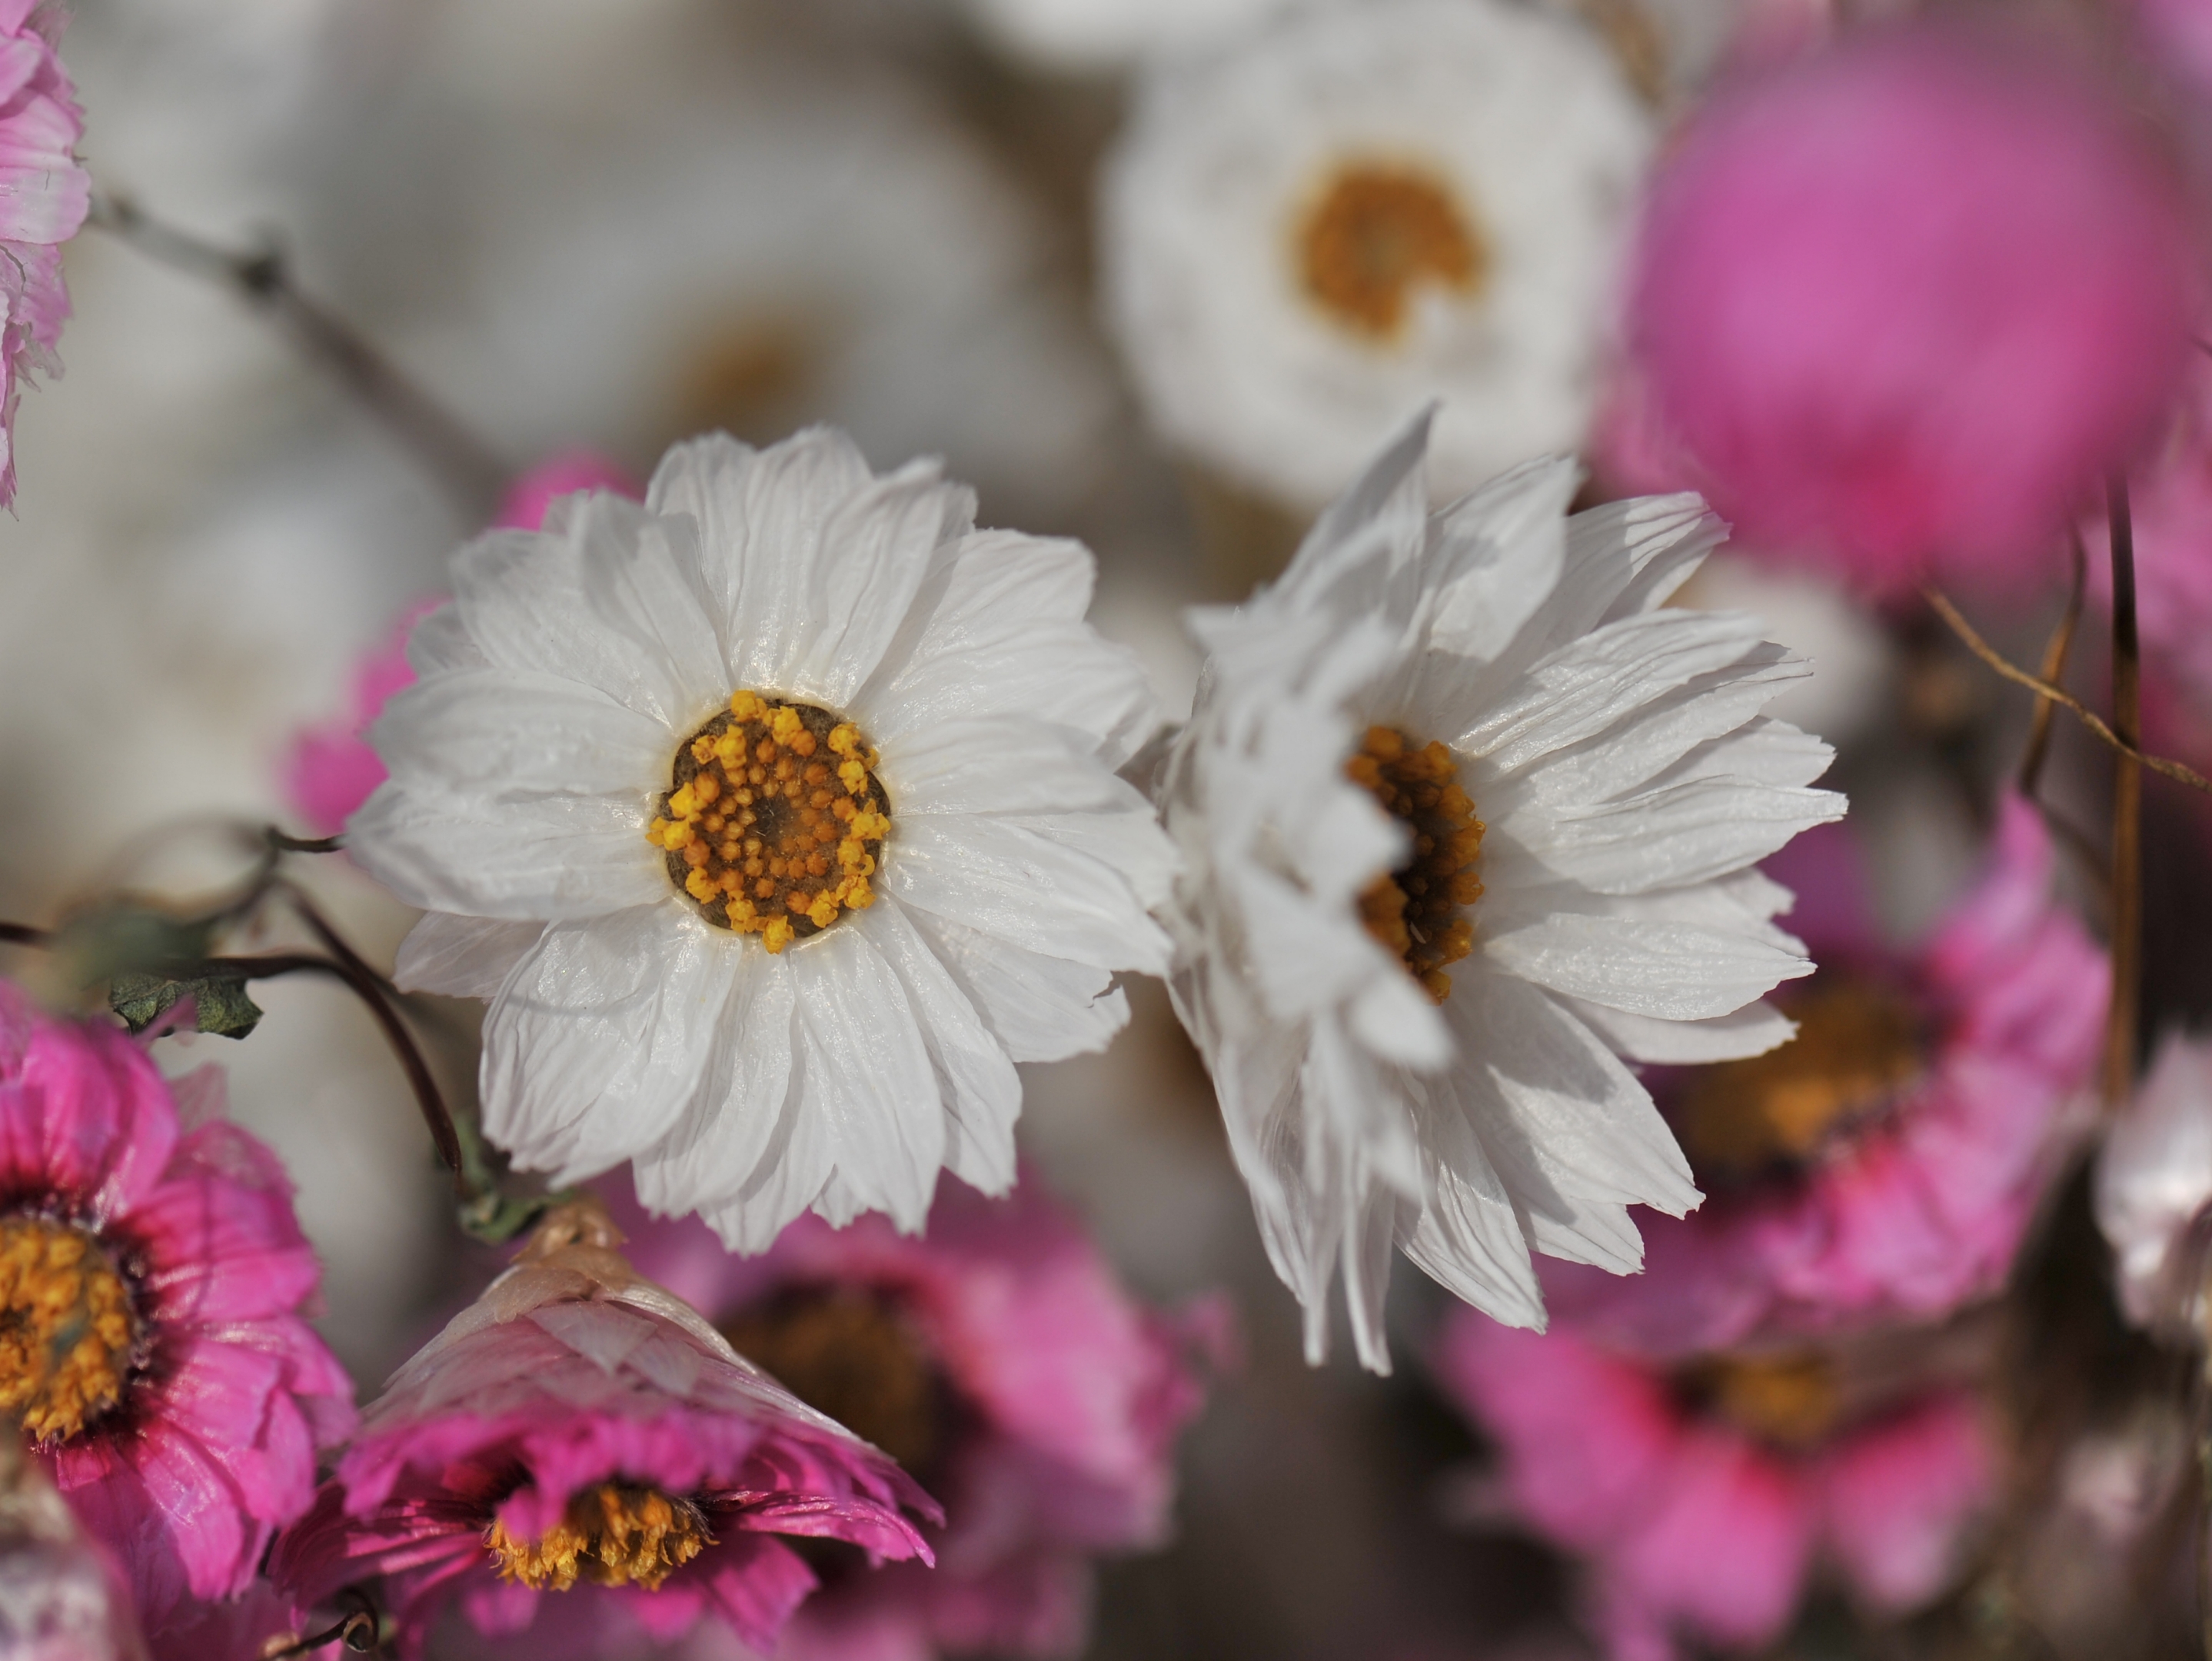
(1042, 1404)
(1915, 1201)
(207, 1444)
(571, 1380)
(331, 769)
(44, 195)
(1695, 1526)
(1904, 304)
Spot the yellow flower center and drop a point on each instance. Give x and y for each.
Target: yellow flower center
(1786, 1401)
(1414, 910)
(1373, 233)
(66, 1327)
(1856, 1046)
(773, 823)
(847, 1353)
(613, 1534)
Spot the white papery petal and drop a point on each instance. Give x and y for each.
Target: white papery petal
(2154, 1176)
(488, 737)
(1670, 970)
(441, 641)
(1011, 882)
(461, 957)
(1040, 1008)
(1751, 1031)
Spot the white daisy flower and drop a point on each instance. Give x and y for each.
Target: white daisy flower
(1088, 36)
(777, 819)
(1468, 824)
(1363, 208)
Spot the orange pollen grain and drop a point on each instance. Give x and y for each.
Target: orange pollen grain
(616, 1534)
(1416, 911)
(1376, 232)
(67, 1331)
(774, 821)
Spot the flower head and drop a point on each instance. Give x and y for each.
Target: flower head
(1703, 1495)
(777, 819)
(1885, 1163)
(43, 197)
(153, 1276)
(1001, 1361)
(1905, 303)
(1363, 208)
(1467, 818)
(577, 1433)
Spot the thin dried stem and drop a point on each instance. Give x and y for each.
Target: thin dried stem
(472, 472)
(2127, 809)
(2058, 695)
(2054, 671)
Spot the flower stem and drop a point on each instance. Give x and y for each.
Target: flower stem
(2054, 672)
(2127, 808)
(469, 470)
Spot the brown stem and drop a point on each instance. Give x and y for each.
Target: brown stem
(469, 469)
(2127, 808)
(22, 934)
(356, 1630)
(2058, 695)
(2054, 671)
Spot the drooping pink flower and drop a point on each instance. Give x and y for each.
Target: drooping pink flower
(153, 1278)
(1001, 1360)
(1885, 1163)
(1903, 305)
(331, 769)
(579, 1436)
(1702, 1497)
(43, 197)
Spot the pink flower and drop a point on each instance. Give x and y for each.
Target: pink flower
(578, 1434)
(331, 769)
(1002, 1362)
(1885, 1162)
(1905, 303)
(153, 1278)
(1703, 1496)
(62, 1595)
(44, 195)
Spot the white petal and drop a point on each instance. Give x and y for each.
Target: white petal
(1040, 1008)
(1468, 1238)
(600, 1036)
(1751, 1031)
(1369, 532)
(441, 641)
(488, 737)
(1023, 887)
(1668, 838)
(1633, 956)
(999, 764)
(1496, 555)
(461, 957)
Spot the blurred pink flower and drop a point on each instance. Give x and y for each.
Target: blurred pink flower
(62, 1595)
(44, 195)
(152, 1277)
(579, 1434)
(1001, 1359)
(1902, 306)
(331, 769)
(1701, 1498)
(1885, 1162)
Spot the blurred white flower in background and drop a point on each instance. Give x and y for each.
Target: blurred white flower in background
(1091, 35)
(1304, 239)
(2153, 1182)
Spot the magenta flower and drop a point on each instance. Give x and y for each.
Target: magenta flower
(1702, 1496)
(331, 769)
(1002, 1362)
(153, 1277)
(578, 1434)
(1885, 1163)
(44, 195)
(1904, 304)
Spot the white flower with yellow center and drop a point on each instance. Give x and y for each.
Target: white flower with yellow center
(1363, 208)
(1469, 824)
(777, 819)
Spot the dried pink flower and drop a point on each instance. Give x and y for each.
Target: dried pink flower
(1903, 305)
(1002, 1362)
(1885, 1162)
(578, 1434)
(153, 1277)
(43, 197)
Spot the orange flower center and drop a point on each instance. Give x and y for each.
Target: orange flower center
(1376, 232)
(1414, 910)
(848, 1354)
(617, 1533)
(773, 822)
(1786, 1401)
(67, 1331)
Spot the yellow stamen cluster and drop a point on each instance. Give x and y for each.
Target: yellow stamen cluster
(1856, 1047)
(1377, 231)
(1414, 910)
(1790, 1401)
(614, 1535)
(849, 1355)
(774, 821)
(66, 1327)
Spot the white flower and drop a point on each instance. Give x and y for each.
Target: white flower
(827, 1006)
(1089, 35)
(1363, 208)
(2154, 1183)
(1477, 737)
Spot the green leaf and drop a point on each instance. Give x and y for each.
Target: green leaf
(220, 1003)
(108, 941)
